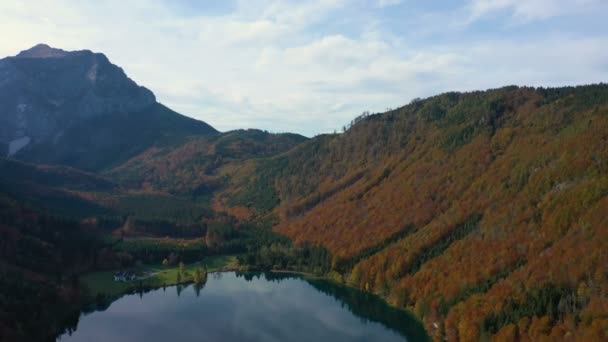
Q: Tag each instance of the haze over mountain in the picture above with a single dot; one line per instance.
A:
(76, 108)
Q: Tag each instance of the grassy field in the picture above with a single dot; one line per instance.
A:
(152, 276)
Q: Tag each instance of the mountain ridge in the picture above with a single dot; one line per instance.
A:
(42, 51)
(447, 206)
(482, 212)
(49, 97)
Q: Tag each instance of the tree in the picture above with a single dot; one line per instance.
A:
(182, 267)
(179, 277)
(197, 277)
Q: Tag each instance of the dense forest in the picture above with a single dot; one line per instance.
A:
(41, 258)
(483, 213)
(474, 210)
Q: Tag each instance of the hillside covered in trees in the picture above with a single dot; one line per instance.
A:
(484, 213)
(41, 257)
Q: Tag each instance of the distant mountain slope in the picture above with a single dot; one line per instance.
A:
(173, 183)
(40, 259)
(195, 167)
(53, 176)
(476, 210)
(72, 194)
(78, 109)
(58, 190)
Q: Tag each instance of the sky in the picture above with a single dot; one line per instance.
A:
(311, 66)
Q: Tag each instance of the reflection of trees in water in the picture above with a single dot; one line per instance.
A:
(371, 308)
(364, 305)
(103, 301)
(70, 323)
(248, 276)
(198, 287)
(269, 276)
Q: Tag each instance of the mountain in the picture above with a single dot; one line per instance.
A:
(40, 260)
(174, 183)
(482, 212)
(196, 166)
(78, 109)
(59, 190)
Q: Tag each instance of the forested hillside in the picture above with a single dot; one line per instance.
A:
(483, 212)
(192, 168)
(41, 257)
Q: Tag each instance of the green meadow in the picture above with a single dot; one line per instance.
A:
(151, 276)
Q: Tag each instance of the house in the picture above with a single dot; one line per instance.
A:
(119, 276)
(124, 276)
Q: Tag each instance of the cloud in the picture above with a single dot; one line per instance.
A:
(531, 9)
(387, 3)
(309, 67)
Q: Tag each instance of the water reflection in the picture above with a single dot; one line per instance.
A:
(366, 306)
(248, 307)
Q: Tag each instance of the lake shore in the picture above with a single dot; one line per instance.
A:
(101, 283)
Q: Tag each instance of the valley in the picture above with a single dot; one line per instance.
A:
(482, 214)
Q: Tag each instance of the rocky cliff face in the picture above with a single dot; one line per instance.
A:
(48, 95)
(43, 91)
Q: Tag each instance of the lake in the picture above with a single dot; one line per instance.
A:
(249, 307)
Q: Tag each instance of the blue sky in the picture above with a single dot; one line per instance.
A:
(311, 66)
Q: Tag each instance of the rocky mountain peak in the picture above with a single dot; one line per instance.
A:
(59, 106)
(42, 51)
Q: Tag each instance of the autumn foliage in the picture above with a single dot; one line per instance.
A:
(484, 213)
(498, 199)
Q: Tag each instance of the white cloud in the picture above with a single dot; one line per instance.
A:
(527, 10)
(291, 66)
(387, 3)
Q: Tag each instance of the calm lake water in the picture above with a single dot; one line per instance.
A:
(249, 307)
